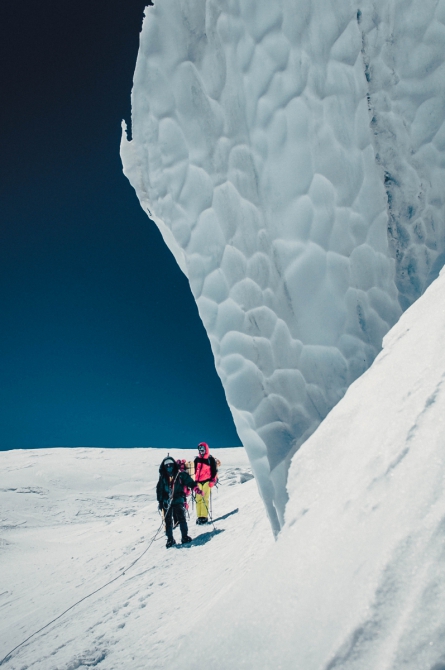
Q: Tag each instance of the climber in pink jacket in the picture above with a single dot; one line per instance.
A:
(206, 469)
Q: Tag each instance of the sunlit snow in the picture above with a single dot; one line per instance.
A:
(73, 519)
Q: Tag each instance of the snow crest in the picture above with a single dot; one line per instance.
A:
(292, 155)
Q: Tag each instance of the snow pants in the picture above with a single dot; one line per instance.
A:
(176, 513)
(203, 502)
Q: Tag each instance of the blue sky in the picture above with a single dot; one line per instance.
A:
(101, 343)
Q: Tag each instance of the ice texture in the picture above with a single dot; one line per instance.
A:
(292, 154)
(404, 60)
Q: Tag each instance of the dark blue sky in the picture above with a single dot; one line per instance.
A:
(100, 342)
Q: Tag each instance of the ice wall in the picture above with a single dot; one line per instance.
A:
(292, 154)
(404, 60)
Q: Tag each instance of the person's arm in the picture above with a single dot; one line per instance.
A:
(196, 473)
(217, 463)
(186, 480)
(160, 494)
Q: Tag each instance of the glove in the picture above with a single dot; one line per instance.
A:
(197, 490)
(211, 484)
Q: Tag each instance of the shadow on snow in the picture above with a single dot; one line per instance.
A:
(200, 539)
(225, 516)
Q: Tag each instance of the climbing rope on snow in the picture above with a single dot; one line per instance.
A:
(9, 654)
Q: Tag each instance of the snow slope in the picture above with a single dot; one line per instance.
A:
(356, 580)
(72, 519)
(292, 154)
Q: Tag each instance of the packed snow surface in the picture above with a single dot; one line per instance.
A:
(292, 154)
(73, 519)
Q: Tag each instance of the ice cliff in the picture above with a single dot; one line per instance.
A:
(292, 154)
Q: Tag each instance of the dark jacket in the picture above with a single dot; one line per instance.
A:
(179, 481)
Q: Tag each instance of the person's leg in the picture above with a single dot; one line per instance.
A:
(180, 516)
(206, 491)
(168, 518)
(200, 507)
(203, 502)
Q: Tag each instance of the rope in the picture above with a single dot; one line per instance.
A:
(8, 655)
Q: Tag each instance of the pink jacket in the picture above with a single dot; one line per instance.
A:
(203, 472)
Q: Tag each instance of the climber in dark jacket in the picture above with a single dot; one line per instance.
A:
(171, 492)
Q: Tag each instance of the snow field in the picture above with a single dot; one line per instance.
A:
(278, 147)
(73, 519)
